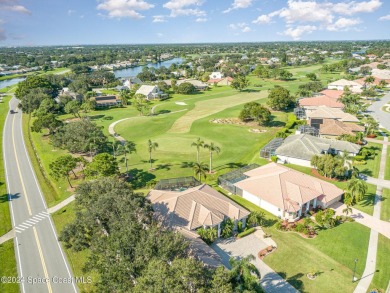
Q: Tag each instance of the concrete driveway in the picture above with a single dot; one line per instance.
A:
(252, 244)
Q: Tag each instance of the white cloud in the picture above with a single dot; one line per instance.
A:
(160, 35)
(185, 8)
(200, 19)
(343, 24)
(159, 18)
(17, 8)
(385, 17)
(71, 12)
(241, 26)
(124, 8)
(263, 19)
(298, 31)
(323, 15)
(239, 4)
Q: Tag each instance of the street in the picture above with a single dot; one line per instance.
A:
(41, 263)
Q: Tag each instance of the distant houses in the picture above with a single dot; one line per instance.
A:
(107, 101)
(221, 81)
(151, 92)
(341, 84)
(216, 75)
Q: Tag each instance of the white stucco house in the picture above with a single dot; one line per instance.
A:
(216, 75)
(151, 92)
(343, 83)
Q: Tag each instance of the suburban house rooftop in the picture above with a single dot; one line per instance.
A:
(194, 207)
(286, 188)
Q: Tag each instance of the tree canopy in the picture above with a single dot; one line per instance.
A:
(255, 111)
(279, 98)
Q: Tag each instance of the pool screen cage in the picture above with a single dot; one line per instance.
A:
(227, 181)
(307, 129)
(269, 150)
(300, 113)
(177, 184)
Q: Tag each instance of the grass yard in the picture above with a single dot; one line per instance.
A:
(8, 267)
(387, 168)
(372, 167)
(382, 276)
(76, 259)
(385, 205)
(331, 254)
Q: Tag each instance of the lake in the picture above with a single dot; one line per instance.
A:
(133, 71)
(9, 82)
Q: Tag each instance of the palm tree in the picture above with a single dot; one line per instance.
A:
(357, 189)
(128, 148)
(243, 272)
(151, 147)
(200, 170)
(198, 144)
(212, 148)
(345, 159)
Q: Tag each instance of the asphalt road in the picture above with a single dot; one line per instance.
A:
(42, 265)
(375, 111)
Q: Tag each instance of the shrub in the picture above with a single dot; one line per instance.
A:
(359, 158)
(359, 163)
(246, 232)
(227, 228)
(299, 227)
(274, 159)
(279, 225)
(208, 235)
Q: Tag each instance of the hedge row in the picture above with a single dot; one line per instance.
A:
(246, 232)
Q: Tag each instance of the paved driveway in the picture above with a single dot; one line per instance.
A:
(252, 244)
(375, 111)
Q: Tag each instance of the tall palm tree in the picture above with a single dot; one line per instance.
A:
(151, 147)
(128, 148)
(357, 188)
(345, 158)
(200, 170)
(212, 148)
(243, 273)
(347, 210)
(198, 144)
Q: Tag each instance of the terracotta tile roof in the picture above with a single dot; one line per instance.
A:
(332, 93)
(321, 101)
(335, 127)
(362, 81)
(195, 207)
(285, 188)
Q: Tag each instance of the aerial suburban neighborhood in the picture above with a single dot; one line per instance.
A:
(185, 161)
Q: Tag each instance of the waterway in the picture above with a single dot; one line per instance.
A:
(133, 71)
(9, 82)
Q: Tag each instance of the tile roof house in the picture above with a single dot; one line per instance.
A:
(286, 193)
(195, 207)
(298, 149)
(315, 102)
(331, 128)
(335, 94)
(221, 81)
(342, 83)
(199, 85)
(324, 112)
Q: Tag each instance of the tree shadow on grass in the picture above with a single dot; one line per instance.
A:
(229, 166)
(139, 178)
(4, 198)
(163, 112)
(366, 171)
(96, 117)
(295, 280)
(368, 200)
(187, 164)
(164, 167)
(275, 123)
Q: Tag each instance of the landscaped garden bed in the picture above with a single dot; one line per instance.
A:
(264, 252)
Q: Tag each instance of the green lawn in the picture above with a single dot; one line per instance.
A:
(76, 259)
(387, 168)
(371, 168)
(331, 254)
(382, 275)
(8, 267)
(385, 205)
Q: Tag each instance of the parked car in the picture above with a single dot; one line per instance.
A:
(11, 111)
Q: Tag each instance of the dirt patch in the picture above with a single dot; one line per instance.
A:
(236, 121)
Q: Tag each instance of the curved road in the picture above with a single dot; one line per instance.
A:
(382, 117)
(41, 263)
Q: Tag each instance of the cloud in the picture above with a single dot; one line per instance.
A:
(185, 8)
(241, 26)
(159, 18)
(385, 17)
(71, 12)
(301, 16)
(298, 31)
(124, 8)
(239, 4)
(16, 8)
(343, 24)
(160, 35)
(200, 19)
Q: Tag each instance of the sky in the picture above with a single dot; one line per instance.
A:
(78, 22)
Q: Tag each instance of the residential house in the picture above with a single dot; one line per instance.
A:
(107, 101)
(312, 103)
(191, 207)
(130, 82)
(151, 92)
(298, 149)
(67, 92)
(216, 75)
(331, 128)
(324, 112)
(221, 81)
(284, 192)
(381, 74)
(343, 83)
(199, 85)
(335, 94)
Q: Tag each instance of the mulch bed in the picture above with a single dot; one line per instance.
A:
(316, 174)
